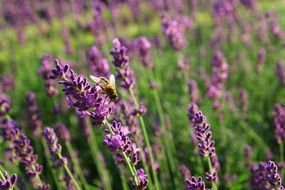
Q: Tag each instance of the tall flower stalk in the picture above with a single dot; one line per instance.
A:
(206, 144)
(127, 81)
(55, 151)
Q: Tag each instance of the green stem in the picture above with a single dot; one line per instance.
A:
(75, 163)
(214, 184)
(96, 157)
(126, 158)
(145, 135)
(69, 173)
(49, 163)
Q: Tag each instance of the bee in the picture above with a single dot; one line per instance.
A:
(108, 86)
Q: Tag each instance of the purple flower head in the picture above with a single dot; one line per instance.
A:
(143, 181)
(243, 99)
(261, 57)
(119, 142)
(265, 176)
(144, 49)
(121, 61)
(195, 184)
(21, 150)
(54, 146)
(8, 182)
(63, 132)
(204, 137)
(82, 95)
(34, 114)
(119, 53)
(98, 65)
(4, 104)
(279, 122)
(172, 29)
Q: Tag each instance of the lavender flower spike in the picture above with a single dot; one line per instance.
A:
(205, 143)
(273, 176)
(279, 122)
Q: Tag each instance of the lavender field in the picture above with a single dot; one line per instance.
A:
(149, 94)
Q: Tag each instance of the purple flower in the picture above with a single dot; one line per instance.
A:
(204, 136)
(193, 91)
(98, 65)
(279, 122)
(65, 36)
(195, 184)
(265, 176)
(121, 61)
(251, 4)
(118, 142)
(21, 150)
(44, 72)
(63, 132)
(172, 29)
(261, 57)
(82, 95)
(144, 48)
(143, 181)
(34, 114)
(219, 76)
(8, 182)
(185, 171)
(243, 99)
(54, 146)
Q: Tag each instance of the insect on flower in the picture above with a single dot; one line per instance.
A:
(108, 86)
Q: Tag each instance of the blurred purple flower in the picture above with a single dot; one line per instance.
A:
(4, 104)
(280, 72)
(44, 72)
(63, 131)
(172, 29)
(265, 176)
(34, 114)
(54, 147)
(121, 61)
(143, 46)
(193, 91)
(279, 122)
(143, 181)
(98, 65)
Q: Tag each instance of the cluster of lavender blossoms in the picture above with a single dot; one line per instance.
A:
(81, 94)
(121, 61)
(173, 30)
(98, 65)
(279, 123)
(205, 143)
(265, 176)
(54, 147)
(195, 184)
(7, 182)
(20, 148)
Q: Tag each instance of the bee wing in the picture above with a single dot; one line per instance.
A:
(95, 79)
(112, 80)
